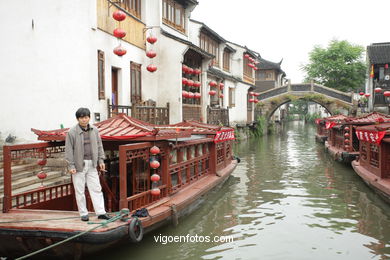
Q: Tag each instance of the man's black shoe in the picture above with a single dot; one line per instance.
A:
(104, 216)
(85, 218)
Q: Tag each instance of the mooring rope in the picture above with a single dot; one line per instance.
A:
(121, 214)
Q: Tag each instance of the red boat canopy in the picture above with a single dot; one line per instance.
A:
(121, 128)
(381, 130)
(371, 118)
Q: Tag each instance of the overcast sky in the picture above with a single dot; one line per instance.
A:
(289, 29)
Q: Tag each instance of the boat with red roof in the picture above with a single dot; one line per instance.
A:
(323, 124)
(155, 175)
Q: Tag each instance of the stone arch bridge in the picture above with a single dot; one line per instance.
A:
(332, 100)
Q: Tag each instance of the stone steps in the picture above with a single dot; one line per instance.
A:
(22, 168)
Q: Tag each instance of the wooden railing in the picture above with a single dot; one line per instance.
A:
(148, 113)
(144, 199)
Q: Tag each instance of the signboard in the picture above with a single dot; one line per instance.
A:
(374, 137)
(224, 135)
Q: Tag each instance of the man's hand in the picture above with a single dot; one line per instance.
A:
(102, 167)
(72, 171)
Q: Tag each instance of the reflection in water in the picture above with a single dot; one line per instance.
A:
(286, 200)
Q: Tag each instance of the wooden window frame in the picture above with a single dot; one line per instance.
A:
(232, 96)
(226, 60)
(170, 12)
(133, 7)
(101, 75)
(135, 83)
(211, 46)
(248, 71)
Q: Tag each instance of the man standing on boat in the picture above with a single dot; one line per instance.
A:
(84, 153)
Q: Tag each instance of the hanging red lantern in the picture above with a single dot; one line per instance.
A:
(221, 85)
(184, 68)
(119, 33)
(221, 96)
(155, 177)
(184, 81)
(197, 95)
(154, 164)
(386, 93)
(346, 135)
(151, 39)
(256, 101)
(255, 68)
(155, 192)
(251, 59)
(367, 95)
(190, 95)
(361, 93)
(251, 100)
(346, 147)
(346, 141)
(190, 83)
(246, 56)
(197, 71)
(346, 128)
(212, 92)
(151, 68)
(151, 54)
(184, 94)
(378, 90)
(119, 15)
(256, 94)
(42, 175)
(120, 51)
(154, 150)
(196, 84)
(42, 162)
(386, 66)
(189, 70)
(213, 83)
(251, 93)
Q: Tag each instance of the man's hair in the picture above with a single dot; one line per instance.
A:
(82, 111)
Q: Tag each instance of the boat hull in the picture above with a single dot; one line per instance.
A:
(340, 155)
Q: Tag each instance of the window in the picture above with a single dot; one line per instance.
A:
(173, 14)
(101, 84)
(226, 60)
(133, 7)
(232, 97)
(211, 46)
(135, 82)
(248, 71)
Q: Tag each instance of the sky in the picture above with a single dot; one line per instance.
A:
(289, 29)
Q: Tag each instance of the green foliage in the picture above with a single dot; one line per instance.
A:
(312, 117)
(298, 107)
(261, 124)
(339, 66)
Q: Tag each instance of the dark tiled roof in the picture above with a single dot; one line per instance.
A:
(221, 74)
(269, 65)
(210, 31)
(379, 53)
(190, 44)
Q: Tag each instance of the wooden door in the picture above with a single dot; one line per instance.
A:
(114, 90)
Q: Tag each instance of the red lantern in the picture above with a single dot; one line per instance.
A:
(386, 66)
(190, 95)
(378, 90)
(197, 95)
(119, 15)
(255, 68)
(346, 128)
(256, 94)
(346, 135)
(213, 84)
(197, 71)
(251, 59)
(42, 175)
(212, 92)
(184, 94)
(386, 93)
(151, 39)
(120, 51)
(184, 68)
(184, 81)
(155, 192)
(251, 100)
(361, 93)
(154, 164)
(367, 95)
(42, 162)
(151, 54)
(221, 85)
(221, 95)
(251, 93)
(151, 68)
(155, 177)
(190, 70)
(246, 56)
(119, 33)
(256, 101)
(154, 150)
(190, 83)
(346, 141)
(196, 84)
(346, 147)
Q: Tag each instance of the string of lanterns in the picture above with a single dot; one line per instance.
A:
(190, 87)
(252, 62)
(119, 33)
(41, 174)
(155, 177)
(253, 99)
(151, 53)
(346, 138)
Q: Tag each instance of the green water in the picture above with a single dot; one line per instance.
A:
(287, 199)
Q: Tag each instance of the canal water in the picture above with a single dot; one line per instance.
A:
(287, 199)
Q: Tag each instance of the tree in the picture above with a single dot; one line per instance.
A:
(339, 66)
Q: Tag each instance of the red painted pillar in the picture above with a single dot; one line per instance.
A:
(122, 178)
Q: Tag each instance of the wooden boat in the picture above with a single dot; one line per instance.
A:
(342, 142)
(373, 162)
(194, 158)
(323, 124)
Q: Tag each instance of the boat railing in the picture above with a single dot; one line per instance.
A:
(145, 198)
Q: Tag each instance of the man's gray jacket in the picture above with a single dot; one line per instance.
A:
(74, 148)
